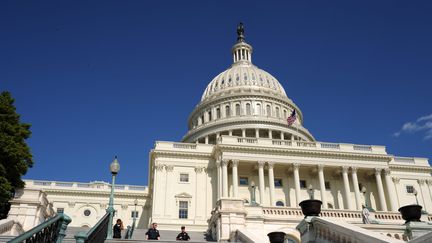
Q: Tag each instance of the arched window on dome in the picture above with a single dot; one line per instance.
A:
(258, 109)
(209, 116)
(202, 119)
(218, 113)
(277, 112)
(237, 106)
(268, 110)
(285, 114)
(227, 111)
(248, 109)
(280, 204)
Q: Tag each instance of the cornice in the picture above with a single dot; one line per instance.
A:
(95, 193)
(306, 153)
(181, 154)
(411, 168)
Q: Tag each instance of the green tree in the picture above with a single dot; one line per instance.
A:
(15, 155)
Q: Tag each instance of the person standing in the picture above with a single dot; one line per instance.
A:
(183, 236)
(118, 227)
(153, 233)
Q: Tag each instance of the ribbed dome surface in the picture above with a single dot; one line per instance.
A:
(243, 75)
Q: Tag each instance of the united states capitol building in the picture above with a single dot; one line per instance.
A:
(241, 171)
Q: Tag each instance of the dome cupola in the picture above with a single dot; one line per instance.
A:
(244, 101)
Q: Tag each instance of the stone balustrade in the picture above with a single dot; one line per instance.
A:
(174, 146)
(10, 227)
(85, 186)
(373, 149)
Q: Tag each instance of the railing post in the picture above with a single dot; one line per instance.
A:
(65, 220)
(80, 237)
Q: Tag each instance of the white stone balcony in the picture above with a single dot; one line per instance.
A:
(94, 185)
(183, 147)
(320, 146)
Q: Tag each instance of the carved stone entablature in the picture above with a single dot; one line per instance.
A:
(396, 179)
(421, 181)
(169, 168)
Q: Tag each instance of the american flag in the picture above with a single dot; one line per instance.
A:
(292, 118)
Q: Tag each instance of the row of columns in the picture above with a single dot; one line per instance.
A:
(270, 135)
(223, 184)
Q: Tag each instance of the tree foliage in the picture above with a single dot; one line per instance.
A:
(15, 155)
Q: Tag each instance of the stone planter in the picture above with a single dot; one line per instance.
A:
(411, 213)
(276, 237)
(311, 207)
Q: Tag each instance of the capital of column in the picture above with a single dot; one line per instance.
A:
(296, 166)
(169, 168)
(261, 164)
(387, 171)
(396, 179)
(224, 162)
(218, 163)
(199, 169)
(159, 167)
(354, 169)
(421, 181)
(378, 171)
(320, 167)
(270, 165)
(235, 163)
(429, 182)
(345, 169)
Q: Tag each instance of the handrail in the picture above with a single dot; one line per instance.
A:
(50, 231)
(97, 234)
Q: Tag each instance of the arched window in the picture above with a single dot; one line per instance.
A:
(285, 114)
(237, 110)
(268, 110)
(280, 204)
(218, 113)
(202, 119)
(209, 116)
(277, 112)
(258, 109)
(248, 109)
(227, 111)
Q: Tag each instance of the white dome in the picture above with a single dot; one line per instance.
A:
(243, 75)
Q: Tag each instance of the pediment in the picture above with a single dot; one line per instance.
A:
(183, 195)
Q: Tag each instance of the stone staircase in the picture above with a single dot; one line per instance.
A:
(139, 236)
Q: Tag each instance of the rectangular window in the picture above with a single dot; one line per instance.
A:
(60, 210)
(134, 214)
(410, 189)
(302, 184)
(244, 181)
(278, 182)
(184, 177)
(327, 185)
(183, 210)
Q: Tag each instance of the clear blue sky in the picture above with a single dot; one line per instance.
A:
(103, 78)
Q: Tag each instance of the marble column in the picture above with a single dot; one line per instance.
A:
(356, 188)
(261, 181)
(257, 133)
(235, 178)
(391, 191)
(224, 178)
(244, 133)
(347, 191)
(219, 179)
(381, 196)
(424, 192)
(322, 186)
(271, 183)
(396, 181)
(429, 184)
(206, 139)
(297, 182)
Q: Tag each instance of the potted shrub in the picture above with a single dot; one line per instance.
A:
(311, 207)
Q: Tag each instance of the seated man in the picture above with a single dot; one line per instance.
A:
(183, 236)
(153, 233)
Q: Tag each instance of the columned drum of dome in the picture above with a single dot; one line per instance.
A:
(244, 101)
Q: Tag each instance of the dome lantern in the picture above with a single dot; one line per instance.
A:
(241, 51)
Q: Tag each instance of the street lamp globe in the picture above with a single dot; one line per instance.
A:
(115, 166)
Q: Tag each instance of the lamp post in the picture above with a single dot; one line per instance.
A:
(253, 201)
(114, 167)
(135, 213)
